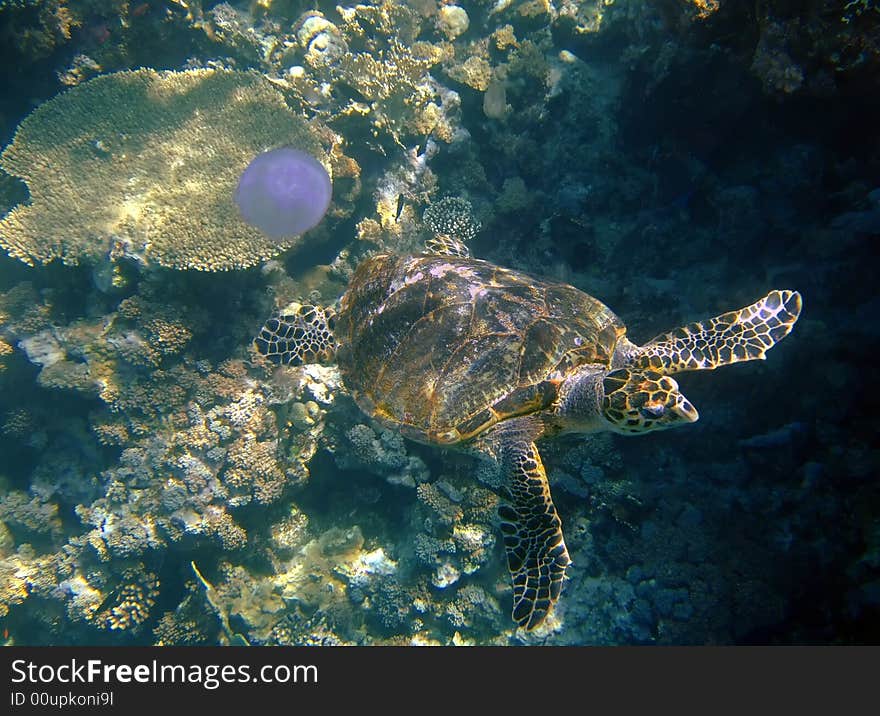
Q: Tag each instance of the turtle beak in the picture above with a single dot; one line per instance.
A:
(685, 411)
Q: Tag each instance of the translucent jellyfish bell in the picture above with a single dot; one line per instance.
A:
(284, 192)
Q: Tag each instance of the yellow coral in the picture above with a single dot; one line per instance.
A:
(168, 336)
(369, 230)
(535, 8)
(144, 164)
(705, 8)
(5, 350)
(22, 309)
(254, 467)
(13, 583)
(430, 120)
(475, 72)
(504, 37)
(219, 523)
(111, 433)
(132, 602)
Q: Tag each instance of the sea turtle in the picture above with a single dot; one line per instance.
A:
(455, 351)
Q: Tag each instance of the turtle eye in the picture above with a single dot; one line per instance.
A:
(652, 410)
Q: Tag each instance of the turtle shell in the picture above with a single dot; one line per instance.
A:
(445, 347)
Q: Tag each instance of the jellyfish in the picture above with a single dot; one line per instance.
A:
(283, 192)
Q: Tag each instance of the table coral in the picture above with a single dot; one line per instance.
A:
(143, 164)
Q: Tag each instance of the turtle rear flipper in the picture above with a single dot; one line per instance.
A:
(301, 333)
(742, 335)
(531, 528)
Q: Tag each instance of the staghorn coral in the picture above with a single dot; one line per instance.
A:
(253, 464)
(103, 357)
(472, 605)
(17, 423)
(446, 511)
(310, 583)
(14, 571)
(187, 625)
(143, 164)
(185, 467)
(289, 534)
(329, 589)
(455, 536)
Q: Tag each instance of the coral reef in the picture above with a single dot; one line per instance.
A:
(162, 484)
(453, 217)
(145, 164)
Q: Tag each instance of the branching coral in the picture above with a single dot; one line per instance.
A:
(369, 65)
(35, 29)
(383, 454)
(30, 512)
(130, 605)
(144, 164)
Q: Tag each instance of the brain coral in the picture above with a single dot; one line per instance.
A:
(145, 164)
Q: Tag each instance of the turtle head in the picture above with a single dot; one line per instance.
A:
(639, 400)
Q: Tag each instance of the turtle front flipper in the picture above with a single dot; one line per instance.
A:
(301, 333)
(531, 528)
(746, 334)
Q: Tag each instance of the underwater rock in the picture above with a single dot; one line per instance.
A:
(321, 40)
(778, 438)
(43, 349)
(861, 222)
(495, 100)
(452, 21)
